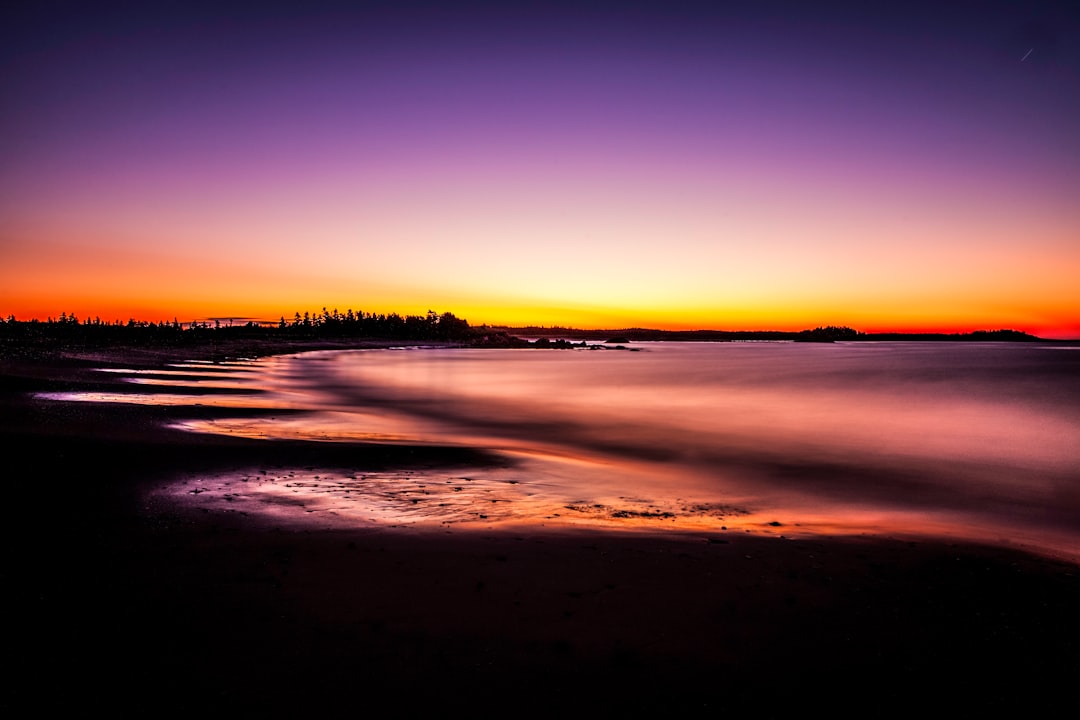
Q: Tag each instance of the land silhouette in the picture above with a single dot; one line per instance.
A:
(68, 331)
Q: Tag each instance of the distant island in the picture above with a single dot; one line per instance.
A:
(820, 334)
(333, 328)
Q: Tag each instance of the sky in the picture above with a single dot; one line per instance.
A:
(768, 165)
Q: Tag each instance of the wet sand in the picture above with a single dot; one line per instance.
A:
(114, 602)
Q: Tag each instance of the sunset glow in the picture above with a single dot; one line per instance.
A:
(779, 167)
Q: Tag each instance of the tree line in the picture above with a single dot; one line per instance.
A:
(325, 325)
(332, 325)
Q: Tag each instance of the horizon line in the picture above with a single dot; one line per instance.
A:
(243, 320)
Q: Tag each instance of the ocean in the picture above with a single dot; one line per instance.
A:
(972, 441)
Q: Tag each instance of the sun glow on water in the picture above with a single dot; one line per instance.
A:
(905, 439)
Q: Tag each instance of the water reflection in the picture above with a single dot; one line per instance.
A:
(979, 441)
(525, 493)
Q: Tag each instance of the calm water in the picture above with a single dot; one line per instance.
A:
(978, 441)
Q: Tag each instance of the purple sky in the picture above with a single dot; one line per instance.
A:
(747, 163)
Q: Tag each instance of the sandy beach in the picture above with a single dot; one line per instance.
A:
(114, 601)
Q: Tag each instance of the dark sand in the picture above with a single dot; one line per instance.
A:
(115, 605)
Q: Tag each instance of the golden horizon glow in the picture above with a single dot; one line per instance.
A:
(885, 289)
(1043, 325)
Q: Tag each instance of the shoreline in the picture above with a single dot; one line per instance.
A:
(209, 609)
